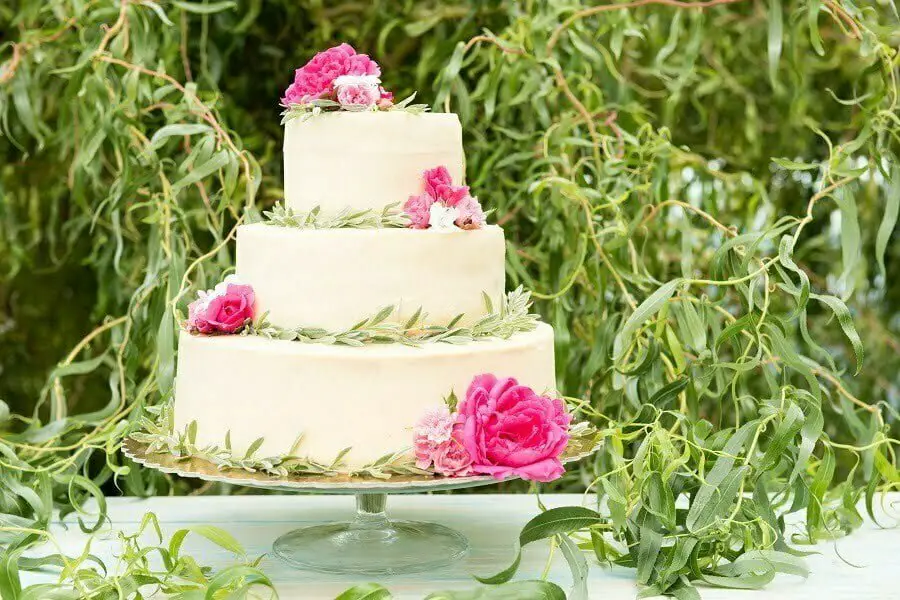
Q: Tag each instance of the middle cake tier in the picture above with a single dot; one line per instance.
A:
(335, 278)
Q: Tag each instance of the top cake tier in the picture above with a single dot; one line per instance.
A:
(363, 160)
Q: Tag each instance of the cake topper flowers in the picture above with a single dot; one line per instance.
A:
(340, 78)
(227, 308)
(442, 205)
(501, 429)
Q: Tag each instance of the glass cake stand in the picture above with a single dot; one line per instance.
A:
(370, 543)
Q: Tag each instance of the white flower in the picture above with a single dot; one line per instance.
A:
(363, 80)
(220, 289)
(442, 217)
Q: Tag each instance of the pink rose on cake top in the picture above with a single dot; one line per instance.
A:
(501, 428)
(442, 205)
(223, 309)
(315, 79)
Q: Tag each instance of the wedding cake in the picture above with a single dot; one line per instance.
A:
(368, 313)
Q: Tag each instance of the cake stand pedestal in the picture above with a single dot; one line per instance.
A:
(371, 543)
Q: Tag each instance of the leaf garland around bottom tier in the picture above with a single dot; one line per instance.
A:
(511, 317)
(161, 437)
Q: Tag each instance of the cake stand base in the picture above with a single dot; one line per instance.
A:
(371, 544)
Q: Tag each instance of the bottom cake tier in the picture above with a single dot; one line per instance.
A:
(367, 399)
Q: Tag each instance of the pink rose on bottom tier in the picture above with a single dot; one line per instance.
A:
(501, 428)
(224, 309)
(508, 429)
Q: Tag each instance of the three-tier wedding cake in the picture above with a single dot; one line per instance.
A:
(367, 321)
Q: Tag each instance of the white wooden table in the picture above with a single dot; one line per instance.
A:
(491, 522)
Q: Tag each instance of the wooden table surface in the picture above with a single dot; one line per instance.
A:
(491, 522)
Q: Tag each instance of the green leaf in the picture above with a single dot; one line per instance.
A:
(518, 590)
(577, 565)
(812, 18)
(216, 162)
(842, 313)
(648, 308)
(649, 544)
(547, 524)
(850, 239)
(793, 165)
(365, 591)
(889, 220)
(775, 39)
(204, 8)
(238, 577)
(177, 130)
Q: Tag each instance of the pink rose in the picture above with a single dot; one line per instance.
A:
(508, 429)
(357, 96)
(223, 310)
(315, 79)
(451, 458)
(470, 214)
(418, 208)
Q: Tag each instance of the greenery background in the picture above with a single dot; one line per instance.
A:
(703, 196)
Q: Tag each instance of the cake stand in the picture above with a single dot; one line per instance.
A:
(370, 544)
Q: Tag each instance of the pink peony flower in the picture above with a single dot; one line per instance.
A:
(357, 96)
(224, 309)
(470, 214)
(508, 429)
(451, 458)
(418, 208)
(430, 432)
(315, 79)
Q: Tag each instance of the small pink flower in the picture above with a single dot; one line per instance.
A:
(385, 99)
(226, 309)
(430, 432)
(453, 195)
(470, 214)
(436, 179)
(508, 429)
(357, 96)
(451, 458)
(315, 79)
(418, 208)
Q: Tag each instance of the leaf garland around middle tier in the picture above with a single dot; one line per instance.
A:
(511, 317)
(389, 217)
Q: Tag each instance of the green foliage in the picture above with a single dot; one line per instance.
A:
(703, 199)
(155, 565)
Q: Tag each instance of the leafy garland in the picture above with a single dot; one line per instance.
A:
(306, 111)
(511, 317)
(161, 437)
(389, 217)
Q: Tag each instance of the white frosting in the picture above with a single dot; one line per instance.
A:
(366, 159)
(365, 398)
(334, 278)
